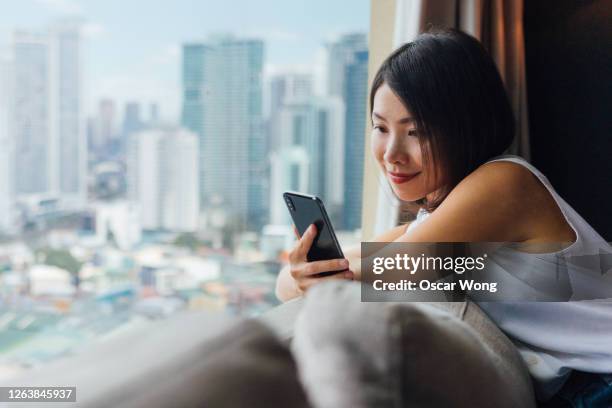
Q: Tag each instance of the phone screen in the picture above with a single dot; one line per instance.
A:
(306, 210)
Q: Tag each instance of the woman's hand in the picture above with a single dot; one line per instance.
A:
(304, 273)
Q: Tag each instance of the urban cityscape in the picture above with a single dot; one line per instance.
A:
(113, 217)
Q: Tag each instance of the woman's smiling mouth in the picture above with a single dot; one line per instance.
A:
(399, 178)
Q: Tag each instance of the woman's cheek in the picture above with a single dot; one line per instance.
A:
(415, 152)
(378, 147)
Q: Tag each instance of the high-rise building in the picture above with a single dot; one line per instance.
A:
(289, 87)
(162, 168)
(192, 114)
(67, 111)
(222, 103)
(6, 152)
(34, 143)
(346, 77)
(355, 96)
(284, 88)
(103, 133)
(132, 120)
(107, 122)
(153, 114)
(179, 181)
(49, 128)
(340, 53)
(289, 172)
(317, 125)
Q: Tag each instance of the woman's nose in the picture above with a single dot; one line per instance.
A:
(395, 152)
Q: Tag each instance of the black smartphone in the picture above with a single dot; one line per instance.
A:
(305, 210)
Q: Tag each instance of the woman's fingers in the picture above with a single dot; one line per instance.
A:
(305, 242)
(304, 273)
(306, 283)
(310, 269)
(295, 231)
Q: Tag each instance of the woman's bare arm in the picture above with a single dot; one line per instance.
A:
(354, 255)
(286, 287)
(493, 204)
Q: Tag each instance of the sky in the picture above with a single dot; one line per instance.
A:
(133, 48)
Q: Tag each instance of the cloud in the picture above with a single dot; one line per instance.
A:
(62, 6)
(277, 35)
(170, 54)
(93, 30)
(5, 38)
(337, 33)
(154, 78)
(280, 69)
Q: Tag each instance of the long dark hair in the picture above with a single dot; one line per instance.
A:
(453, 89)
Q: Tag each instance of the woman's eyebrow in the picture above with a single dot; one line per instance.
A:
(402, 121)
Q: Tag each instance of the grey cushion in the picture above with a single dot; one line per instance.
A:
(355, 354)
(246, 366)
(190, 360)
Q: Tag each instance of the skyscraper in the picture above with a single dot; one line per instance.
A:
(6, 152)
(355, 95)
(34, 142)
(162, 166)
(192, 114)
(153, 114)
(347, 76)
(49, 131)
(132, 120)
(289, 171)
(317, 125)
(222, 103)
(108, 116)
(289, 87)
(340, 53)
(67, 113)
(284, 88)
(104, 136)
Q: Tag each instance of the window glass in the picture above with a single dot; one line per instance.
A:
(145, 150)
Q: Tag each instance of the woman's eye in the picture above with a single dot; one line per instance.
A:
(412, 132)
(379, 128)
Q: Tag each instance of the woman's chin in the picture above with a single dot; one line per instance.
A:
(408, 195)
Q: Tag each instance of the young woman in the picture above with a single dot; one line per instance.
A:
(441, 121)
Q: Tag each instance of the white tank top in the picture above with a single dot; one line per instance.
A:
(557, 337)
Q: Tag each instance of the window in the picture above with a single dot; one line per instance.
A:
(142, 169)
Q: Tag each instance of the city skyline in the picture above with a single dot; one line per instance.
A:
(141, 63)
(233, 121)
(223, 105)
(239, 116)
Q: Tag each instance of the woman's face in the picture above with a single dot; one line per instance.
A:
(396, 147)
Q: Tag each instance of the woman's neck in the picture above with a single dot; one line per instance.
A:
(431, 196)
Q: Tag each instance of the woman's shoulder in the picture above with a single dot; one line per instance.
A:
(483, 207)
(505, 177)
(500, 201)
(497, 182)
(521, 197)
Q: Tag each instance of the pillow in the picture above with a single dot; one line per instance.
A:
(193, 359)
(357, 354)
(245, 366)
